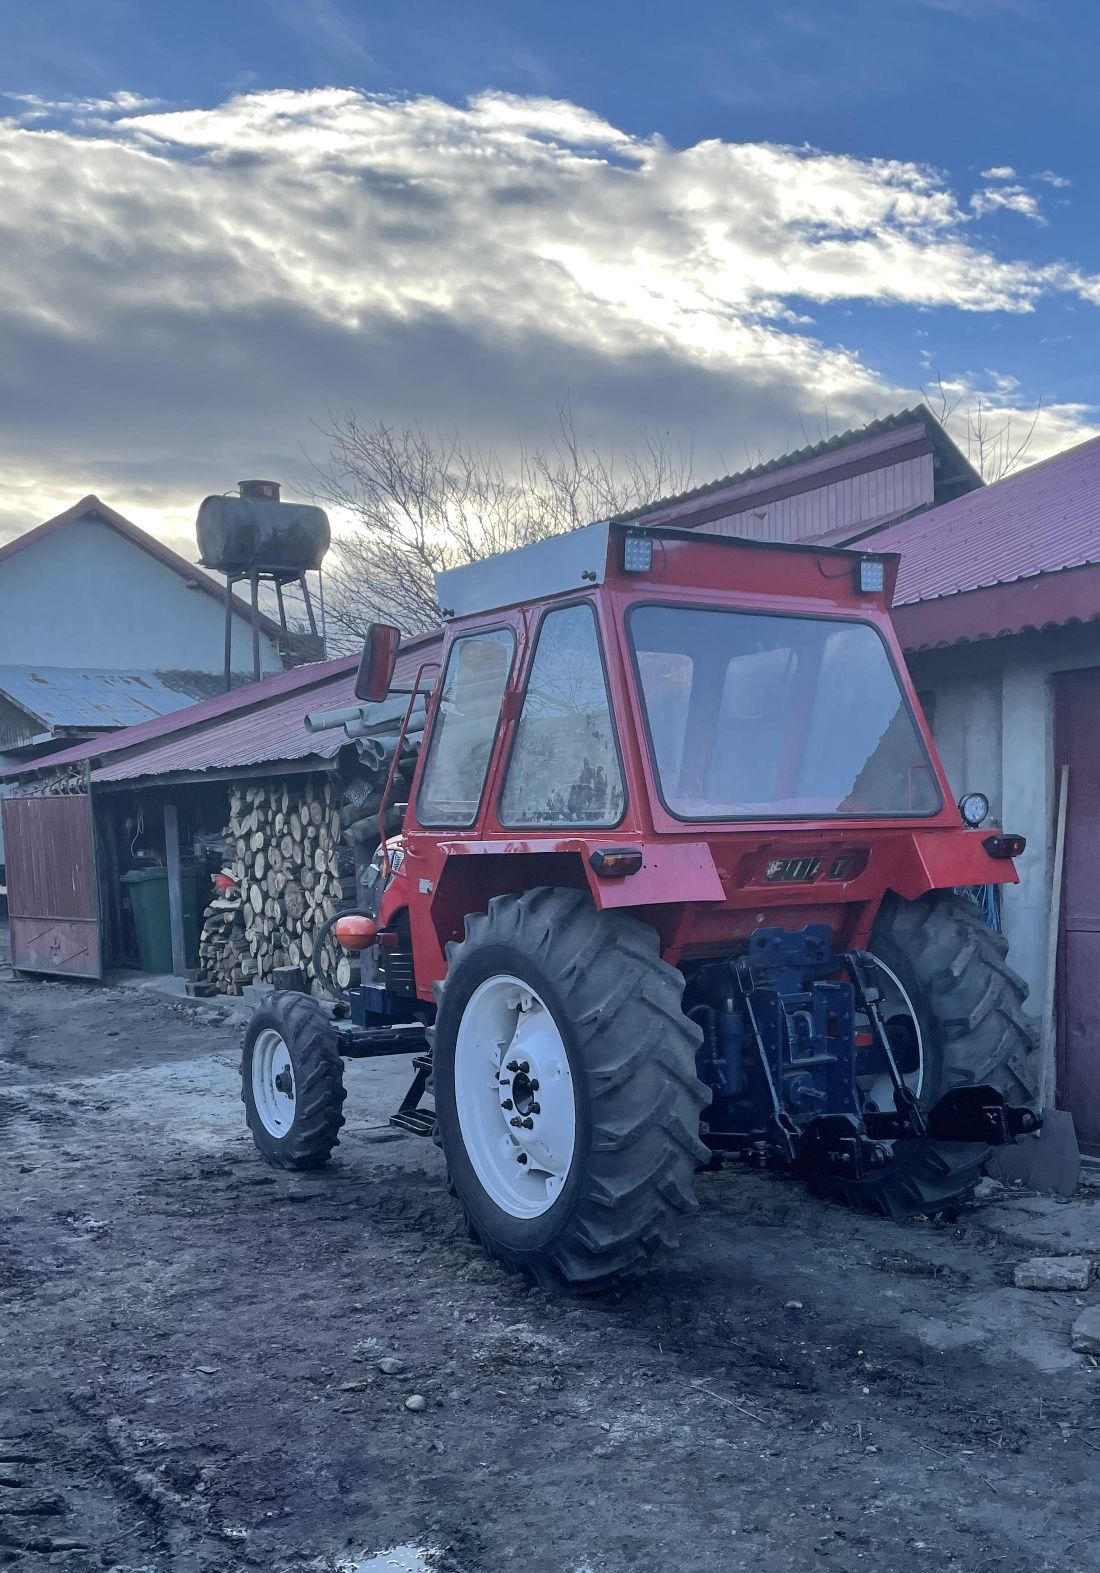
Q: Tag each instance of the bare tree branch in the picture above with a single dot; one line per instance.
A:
(418, 504)
(995, 450)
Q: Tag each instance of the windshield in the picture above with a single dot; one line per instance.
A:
(759, 716)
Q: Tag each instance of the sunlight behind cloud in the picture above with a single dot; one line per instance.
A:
(224, 274)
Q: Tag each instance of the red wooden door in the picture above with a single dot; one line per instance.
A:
(52, 904)
(1077, 744)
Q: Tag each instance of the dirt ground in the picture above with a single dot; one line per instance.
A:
(189, 1347)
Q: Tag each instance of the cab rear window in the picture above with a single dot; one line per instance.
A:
(754, 716)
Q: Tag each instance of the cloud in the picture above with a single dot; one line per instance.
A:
(38, 108)
(999, 172)
(186, 291)
(1013, 199)
(1061, 181)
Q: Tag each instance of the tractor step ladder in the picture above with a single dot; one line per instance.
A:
(410, 1116)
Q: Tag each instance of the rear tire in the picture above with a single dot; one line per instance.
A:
(594, 1003)
(969, 1007)
(292, 1082)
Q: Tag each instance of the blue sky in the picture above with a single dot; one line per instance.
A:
(735, 221)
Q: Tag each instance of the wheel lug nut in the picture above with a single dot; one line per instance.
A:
(515, 1120)
(524, 1067)
(528, 1125)
(512, 1065)
(534, 1085)
(521, 1157)
(536, 1108)
(507, 1103)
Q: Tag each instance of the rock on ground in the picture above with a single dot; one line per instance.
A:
(1067, 1273)
(1086, 1332)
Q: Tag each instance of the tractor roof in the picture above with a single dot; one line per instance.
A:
(592, 556)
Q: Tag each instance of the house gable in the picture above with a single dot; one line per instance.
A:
(89, 589)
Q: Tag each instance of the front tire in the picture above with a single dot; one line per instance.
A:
(292, 1082)
(594, 1178)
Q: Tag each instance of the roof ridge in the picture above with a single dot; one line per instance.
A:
(912, 414)
(166, 555)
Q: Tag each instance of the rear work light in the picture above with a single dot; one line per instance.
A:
(637, 553)
(974, 808)
(871, 576)
(1005, 846)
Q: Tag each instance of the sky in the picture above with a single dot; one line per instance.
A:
(750, 226)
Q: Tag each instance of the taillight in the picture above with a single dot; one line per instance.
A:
(355, 931)
(1005, 846)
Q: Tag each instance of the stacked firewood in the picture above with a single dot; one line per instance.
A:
(295, 852)
(288, 875)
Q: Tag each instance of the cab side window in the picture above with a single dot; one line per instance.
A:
(466, 725)
(564, 768)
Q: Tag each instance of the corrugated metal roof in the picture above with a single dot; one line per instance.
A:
(920, 415)
(1040, 521)
(261, 734)
(254, 737)
(297, 679)
(64, 697)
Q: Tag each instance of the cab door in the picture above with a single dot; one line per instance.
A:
(448, 797)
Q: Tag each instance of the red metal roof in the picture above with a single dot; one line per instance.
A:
(261, 734)
(1044, 520)
(262, 722)
(1048, 600)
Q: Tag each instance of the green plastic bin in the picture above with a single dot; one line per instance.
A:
(148, 889)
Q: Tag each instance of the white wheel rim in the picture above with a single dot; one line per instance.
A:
(273, 1086)
(517, 1108)
(895, 1002)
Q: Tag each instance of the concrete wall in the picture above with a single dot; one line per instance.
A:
(994, 728)
(85, 596)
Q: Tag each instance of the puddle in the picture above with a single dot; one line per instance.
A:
(400, 1559)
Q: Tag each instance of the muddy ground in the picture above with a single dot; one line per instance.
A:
(189, 1346)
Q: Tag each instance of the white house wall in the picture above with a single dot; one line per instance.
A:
(994, 728)
(85, 596)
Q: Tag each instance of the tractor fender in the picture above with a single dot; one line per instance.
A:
(672, 872)
(947, 859)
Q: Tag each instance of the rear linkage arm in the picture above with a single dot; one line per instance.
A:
(965, 1114)
(906, 1118)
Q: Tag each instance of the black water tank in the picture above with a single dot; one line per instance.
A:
(257, 531)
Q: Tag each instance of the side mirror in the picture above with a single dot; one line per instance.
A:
(376, 664)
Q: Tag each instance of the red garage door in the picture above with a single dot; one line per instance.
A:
(1077, 744)
(50, 856)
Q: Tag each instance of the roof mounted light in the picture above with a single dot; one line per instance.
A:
(637, 553)
(870, 576)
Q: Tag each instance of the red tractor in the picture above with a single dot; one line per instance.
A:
(676, 879)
